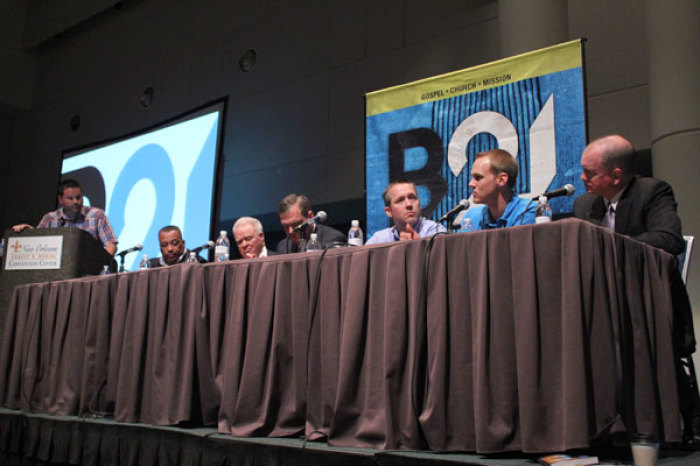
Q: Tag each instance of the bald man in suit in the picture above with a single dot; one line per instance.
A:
(643, 208)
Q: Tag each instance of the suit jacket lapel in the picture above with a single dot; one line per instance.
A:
(624, 209)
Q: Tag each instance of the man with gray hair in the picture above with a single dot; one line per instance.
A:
(250, 238)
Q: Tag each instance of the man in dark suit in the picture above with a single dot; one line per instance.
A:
(645, 209)
(294, 210)
(172, 248)
(641, 207)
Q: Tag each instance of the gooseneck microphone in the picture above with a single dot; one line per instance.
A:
(208, 245)
(566, 190)
(450, 215)
(123, 253)
(320, 217)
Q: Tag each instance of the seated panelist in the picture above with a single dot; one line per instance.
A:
(402, 206)
(493, 178)
(641, 207)
(172, 248)
(294, 210)
(644, 209)
(250, 238)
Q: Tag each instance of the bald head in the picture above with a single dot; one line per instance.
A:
(608, 165)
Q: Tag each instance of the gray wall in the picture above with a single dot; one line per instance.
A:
(295, 122)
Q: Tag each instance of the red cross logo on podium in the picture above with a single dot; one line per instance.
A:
(16, 246)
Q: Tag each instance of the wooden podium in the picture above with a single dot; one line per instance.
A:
(81, 255)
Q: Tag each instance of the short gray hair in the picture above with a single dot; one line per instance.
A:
(248, 221)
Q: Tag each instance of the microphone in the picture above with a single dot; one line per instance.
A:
(123, 253)
(463, 204)
(320, 217)
(208, 245)
(567, 190)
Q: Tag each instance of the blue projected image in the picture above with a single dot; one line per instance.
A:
(163, 176)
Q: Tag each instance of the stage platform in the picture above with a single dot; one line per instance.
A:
(31, 438)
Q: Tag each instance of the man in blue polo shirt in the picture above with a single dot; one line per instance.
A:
(402, 206)
(493, 177)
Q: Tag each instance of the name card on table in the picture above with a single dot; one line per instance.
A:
(34, 253)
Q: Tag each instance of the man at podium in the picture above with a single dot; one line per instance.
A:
(72, 213)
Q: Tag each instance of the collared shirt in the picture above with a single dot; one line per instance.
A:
(159, 262)
(519, 211)
(180, 260)
(424, 227)
(90, 219)
(611, 209)
(263, 253)
(616, 198)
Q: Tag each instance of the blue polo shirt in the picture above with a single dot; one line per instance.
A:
(519, 211)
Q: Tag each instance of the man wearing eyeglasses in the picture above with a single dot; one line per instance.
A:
(641, 207)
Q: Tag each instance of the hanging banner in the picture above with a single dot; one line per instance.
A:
(428, 131)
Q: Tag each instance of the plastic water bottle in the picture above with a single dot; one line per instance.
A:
(144, 262)
(355, 237)
(314, 244)
(192, 257)
(105, 270)
(2, 248)
(543, 213)
(222, 249)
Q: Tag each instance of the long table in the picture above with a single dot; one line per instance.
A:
(534, 338)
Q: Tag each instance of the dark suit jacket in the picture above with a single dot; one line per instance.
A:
(646, 212)
(326, 236)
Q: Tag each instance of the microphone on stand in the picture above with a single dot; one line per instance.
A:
(450, 215)
(208, 245)
(123, 253)
(566, 190)
(320, 217)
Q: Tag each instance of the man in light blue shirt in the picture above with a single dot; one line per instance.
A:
(493, 177)
(402, 205)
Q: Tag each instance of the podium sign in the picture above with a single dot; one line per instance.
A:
(34, 253)
(48, 254)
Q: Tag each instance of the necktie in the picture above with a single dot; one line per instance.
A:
(609, 218)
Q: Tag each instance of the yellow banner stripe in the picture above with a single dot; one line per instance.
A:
(478, 78)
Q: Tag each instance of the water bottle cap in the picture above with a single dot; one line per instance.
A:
(314, 235)
(355, 223)
(145, 256)
(222, 233)
(543, 199)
